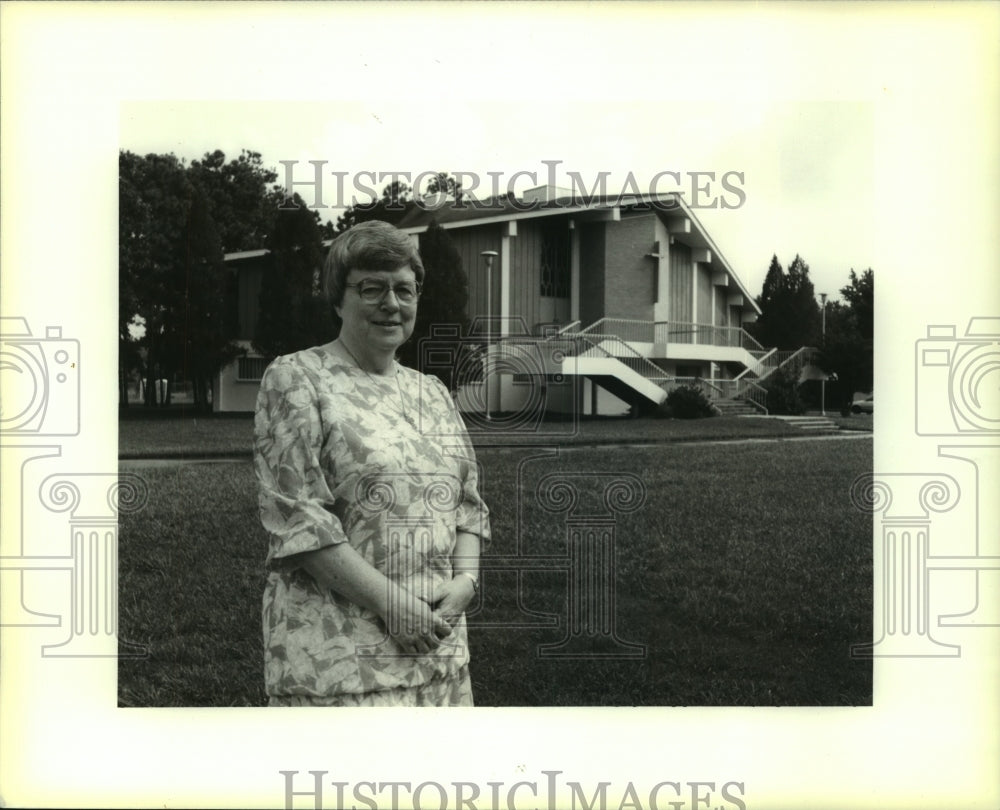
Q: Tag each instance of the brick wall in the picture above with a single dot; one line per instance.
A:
(630, 275)
(591, 272)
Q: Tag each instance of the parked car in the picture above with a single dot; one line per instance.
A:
(866, 405)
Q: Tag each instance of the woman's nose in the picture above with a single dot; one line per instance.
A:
(389, 300)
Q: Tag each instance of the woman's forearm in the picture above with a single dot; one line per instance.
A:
(342, 569)
(465, 557)
(408, 619)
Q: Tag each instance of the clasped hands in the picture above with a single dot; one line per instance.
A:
(419, 627)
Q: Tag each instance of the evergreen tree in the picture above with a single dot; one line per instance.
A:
(162, 239)
(790, 316)
(444, 299)
(203, 341)
(768, 299)
(242, 195)
(848, 350)
(292, 315)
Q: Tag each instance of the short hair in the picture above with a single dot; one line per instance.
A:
(373, 245)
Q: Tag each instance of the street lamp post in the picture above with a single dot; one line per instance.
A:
(822, 382)
(489, 255)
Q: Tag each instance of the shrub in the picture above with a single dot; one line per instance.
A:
(783, 396)
(688, 402)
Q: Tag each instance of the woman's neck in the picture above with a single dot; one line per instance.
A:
(372, 362)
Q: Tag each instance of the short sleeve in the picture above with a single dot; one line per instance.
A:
(294, 496)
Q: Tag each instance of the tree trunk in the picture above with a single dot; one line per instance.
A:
(122, 386)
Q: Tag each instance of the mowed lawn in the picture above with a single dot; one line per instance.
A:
(743, 579)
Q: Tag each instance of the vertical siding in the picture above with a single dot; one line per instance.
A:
(525, 255)
(721, 310)
(704, 294)
(680, 283)
(630, 274)
(735, 316)
(471, 242)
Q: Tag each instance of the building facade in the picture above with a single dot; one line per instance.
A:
(600, 304)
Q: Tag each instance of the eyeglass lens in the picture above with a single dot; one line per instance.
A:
(373, 291)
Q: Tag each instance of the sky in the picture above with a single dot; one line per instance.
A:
(803, 168)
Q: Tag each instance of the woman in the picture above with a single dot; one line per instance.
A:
(368, 492)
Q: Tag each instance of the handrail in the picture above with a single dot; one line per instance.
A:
(620, 351)
(758, 346)
(761, 362)
(614, 345)
(687, 332)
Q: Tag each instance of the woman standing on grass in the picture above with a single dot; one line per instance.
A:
(369, 495)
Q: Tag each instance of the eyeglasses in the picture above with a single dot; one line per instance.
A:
(373, 291)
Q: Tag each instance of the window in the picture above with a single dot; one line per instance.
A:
(554, 276)
(251, 369)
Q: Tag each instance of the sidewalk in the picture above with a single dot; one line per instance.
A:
(202, 439)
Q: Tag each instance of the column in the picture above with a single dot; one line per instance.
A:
(590, 628)
(93, 501)
(904, 501)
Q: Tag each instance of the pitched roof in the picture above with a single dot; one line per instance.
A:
(467, 213)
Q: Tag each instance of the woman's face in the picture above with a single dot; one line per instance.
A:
(381, 326)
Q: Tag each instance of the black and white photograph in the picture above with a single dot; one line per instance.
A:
(512, 366)
(596, 387)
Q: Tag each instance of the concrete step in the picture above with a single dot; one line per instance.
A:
(811, 424)
(730, 407)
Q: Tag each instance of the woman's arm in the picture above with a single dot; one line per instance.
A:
(409, 620)
(456, 595)
(296, 509)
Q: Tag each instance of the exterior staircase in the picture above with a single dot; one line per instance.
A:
(736, 407)
(613, 339)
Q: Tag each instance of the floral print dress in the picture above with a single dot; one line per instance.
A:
(383, 464)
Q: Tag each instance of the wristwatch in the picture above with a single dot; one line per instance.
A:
(475, 580)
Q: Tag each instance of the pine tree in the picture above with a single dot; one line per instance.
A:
(444, 299)
(790, 316)
(292, 315)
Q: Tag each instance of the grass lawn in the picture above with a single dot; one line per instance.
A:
(746, 576)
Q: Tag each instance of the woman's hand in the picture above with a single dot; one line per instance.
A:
(412, 624)
(454, 597)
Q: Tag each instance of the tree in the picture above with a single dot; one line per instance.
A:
(444, 299)
(860, 295)
(790, 316)
(804, 316)
(133, 257)
(203, 341)
(443, 182)
(848, 349)
(395, 201)
(292, 314)
(155, 197)
(171, 277)
(242, 195)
